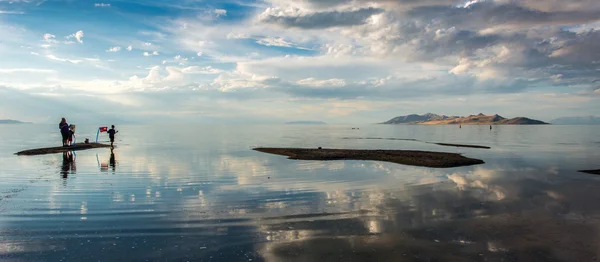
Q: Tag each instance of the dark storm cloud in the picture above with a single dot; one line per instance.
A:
(488, 14)
(402, 89)
(323, 20)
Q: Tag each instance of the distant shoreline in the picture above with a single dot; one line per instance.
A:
(12, 122)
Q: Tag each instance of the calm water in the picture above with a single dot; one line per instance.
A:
(200, 193)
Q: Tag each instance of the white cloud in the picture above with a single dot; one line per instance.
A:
(26, 70)
(147, 44)
(220, 12)
(52, 57)
(150, 54)
(4, 12)
(34, 53)
(50, 38)
(201, 70)
(277, 41)
(180, 58)
(77, 35)
(129, 48)
(101, 5)
(114, 49)
(199, 54)
(321, 83)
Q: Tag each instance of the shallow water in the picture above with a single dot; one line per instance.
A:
(200, 193)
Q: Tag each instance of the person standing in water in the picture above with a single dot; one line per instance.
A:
(65, 131)
(111, 135)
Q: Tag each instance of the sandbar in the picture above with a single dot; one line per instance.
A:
(405, 157)
(60, 149)
(593, 172)
(460, 145)
(380, 138)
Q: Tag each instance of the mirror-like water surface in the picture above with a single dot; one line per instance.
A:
(185, 192)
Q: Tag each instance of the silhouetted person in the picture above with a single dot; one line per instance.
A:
(65, 131)
(490, 127)
(111, 135)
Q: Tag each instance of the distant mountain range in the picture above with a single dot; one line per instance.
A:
(577, 120)
(11, 122)
(480, 119)
(306, 123)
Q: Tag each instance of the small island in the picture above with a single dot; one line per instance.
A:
(60, 149)
(593, 172)
(405, 157)
(305, 123)
(11, 122)
(461, 145)
(479, 119)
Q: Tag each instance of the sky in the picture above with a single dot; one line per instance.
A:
(272, 61)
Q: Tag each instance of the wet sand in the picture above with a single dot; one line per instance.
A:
(60, 149)
(459, 145)
(405, 157)
(593, 172)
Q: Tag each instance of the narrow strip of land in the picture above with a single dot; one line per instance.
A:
(54, 150)
(405, 157)
(379, 138)
(593, 172)
(460, 145)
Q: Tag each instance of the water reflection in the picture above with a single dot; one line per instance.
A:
(214, 203)
(531, 219)
(68, 164)
(112, 162)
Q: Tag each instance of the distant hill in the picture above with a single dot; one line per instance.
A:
(577, 120)
(11, 122)
(417, 118)
(306, 123)
(480, 119)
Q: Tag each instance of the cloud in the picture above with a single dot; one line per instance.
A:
(220, 12)
(26, 70)
(155, 53)
(129, 48)
(50, 38)
(77, 35)
(4, 12)
(266, 40)
(52, 57)
(101, 5)
(199, 54)
(180, 58)
(114, 49)
(201, 70)
(319, 20)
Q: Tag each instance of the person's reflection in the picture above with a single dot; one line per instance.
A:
(112, 161)
(68, 164)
